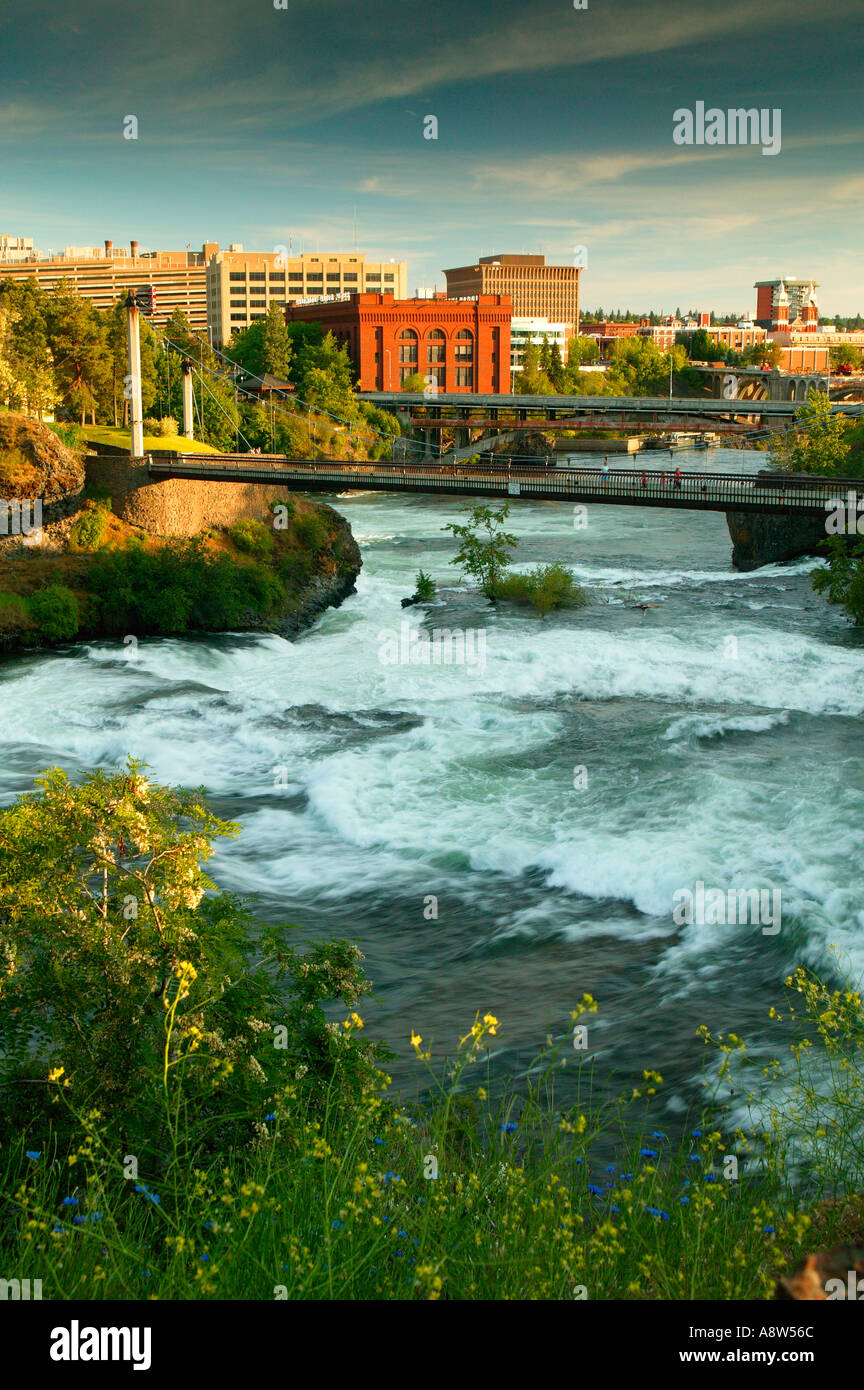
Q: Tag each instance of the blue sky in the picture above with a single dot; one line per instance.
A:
(554, 130)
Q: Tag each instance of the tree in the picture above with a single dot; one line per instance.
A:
(817, 444)
(415, 381)
(842, 581)
(556, 366)
(276, 346)
(582, 349)
(484, 559)
(76, 335)
(531, 380)
(704, 348)
(764, 354)
(845, 356)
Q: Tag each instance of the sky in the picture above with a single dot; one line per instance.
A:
(292, 126)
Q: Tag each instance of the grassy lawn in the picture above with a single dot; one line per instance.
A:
(109, 434)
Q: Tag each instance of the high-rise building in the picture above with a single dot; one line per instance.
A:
(787, 304)
(241, 285)
(524, 331)
(104, 274)
(537, 290)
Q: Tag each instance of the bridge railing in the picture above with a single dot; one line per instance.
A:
(773, 491)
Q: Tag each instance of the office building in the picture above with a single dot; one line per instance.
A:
(537, 290)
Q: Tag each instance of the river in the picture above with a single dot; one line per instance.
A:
(718, 737)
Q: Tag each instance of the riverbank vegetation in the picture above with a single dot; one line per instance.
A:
(113, 579)
(192, 1106)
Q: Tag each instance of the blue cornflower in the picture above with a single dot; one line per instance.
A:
(379, 1141)
(695, 1158)
(205, 1257)
(598, 1191)
(337, 1224)
(403, 1234)
(614, 1209)
(625, 1177)
(684, 1200)
(391, 1177)
(32, 1153)
(509, 1127)
(710, 1177)
(610, 1168)
(769, 1230)
(145, 1274)
(60, 1230)
(649, 1153)
(269, 1117)
(696, 1134)
(70, 1201)
(208, 1226)
(657, 1134)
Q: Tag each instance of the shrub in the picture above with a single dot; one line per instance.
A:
(152, 426)
(253, 537)
(131, 982)
(181, 588)
(88, 530)
(14, 613)
(425, 587)
(311, 530)
(168, 426)
(55, 612)
(544, 588)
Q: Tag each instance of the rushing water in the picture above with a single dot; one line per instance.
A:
(365, 787)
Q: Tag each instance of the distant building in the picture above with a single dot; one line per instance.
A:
(536, 289)
(455, 345)
(15, 248)
(241, 285)
(787, 305)
(524, 331)
(104, 274)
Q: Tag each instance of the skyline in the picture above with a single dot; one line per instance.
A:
(555, 129)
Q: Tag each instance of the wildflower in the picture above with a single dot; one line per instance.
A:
(610, 1168)
(337, 1224)
(598, 1191)
(649, 1153)
(509, 1127)
(769, 1230)
(353, 1021)
(696, 1133)
(391, 1177)
(269, 1117)
(70, 1201)
(56, 1073)
(32, 1153)
(658, 1135)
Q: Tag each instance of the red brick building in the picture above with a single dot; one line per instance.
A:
(454, 344)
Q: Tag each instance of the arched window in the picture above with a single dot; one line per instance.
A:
(408, 346)
(464, 345)
(437, 344)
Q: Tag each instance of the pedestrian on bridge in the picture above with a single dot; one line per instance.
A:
(606, 470)
(678, 479)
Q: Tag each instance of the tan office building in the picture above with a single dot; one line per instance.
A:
(104, 274)
(241, 285)
(538, 290)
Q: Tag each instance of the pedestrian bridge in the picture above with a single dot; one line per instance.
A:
(785, 494)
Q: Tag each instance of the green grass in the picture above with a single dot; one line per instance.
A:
(108, 434)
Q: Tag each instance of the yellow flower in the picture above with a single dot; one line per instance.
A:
(353, 1021)
(56, 1073)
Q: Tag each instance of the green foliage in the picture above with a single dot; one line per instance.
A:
(818, 443)
(312, 530)
(71, 435)
(703, 348)
(545, 587)
(54, 609)
(425, 587)
(415, 381)
(167, 426)
(531, 380)
(253, 537)
(582, 349)
(764, 354)
(88, 529)
(132, 984)
(181, 588)
(483, 559)
(843, 580)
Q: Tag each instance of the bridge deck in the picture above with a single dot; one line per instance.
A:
(774, 493)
